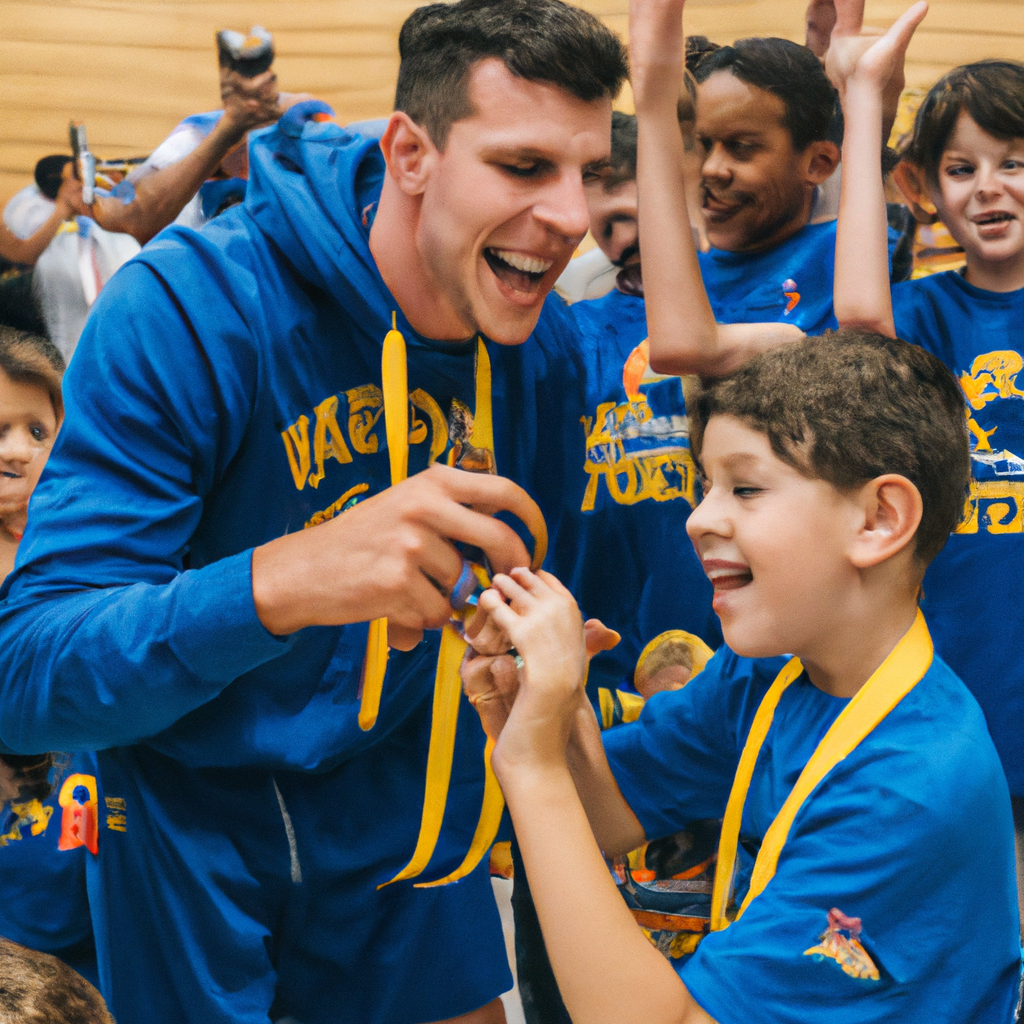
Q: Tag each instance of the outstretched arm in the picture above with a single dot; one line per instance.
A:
(684, 335)
(862, 64)
(159, 197)
(28, 250)
(607, 971)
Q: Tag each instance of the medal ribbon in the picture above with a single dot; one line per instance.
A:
(447, 681)
(901, 671)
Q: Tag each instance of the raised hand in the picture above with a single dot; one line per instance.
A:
(249, 102)
(655, 49)
(870, 55)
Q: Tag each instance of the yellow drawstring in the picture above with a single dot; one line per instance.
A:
(447, 682)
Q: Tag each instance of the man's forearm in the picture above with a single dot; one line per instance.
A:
(162, 195)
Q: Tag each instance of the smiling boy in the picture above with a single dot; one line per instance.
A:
(217, 527)
(866, 869)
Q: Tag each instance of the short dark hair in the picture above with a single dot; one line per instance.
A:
(991, 91)
(787, 70)
(850, 406)
(50, 173)
(622, 164)
(28, 358)
(539, 40)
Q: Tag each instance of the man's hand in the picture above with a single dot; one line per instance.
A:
(249, 102)
(819, 21)
(392, 555)
(868, 55)
(69, 198)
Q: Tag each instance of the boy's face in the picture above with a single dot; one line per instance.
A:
(504, 208)
(27, 429)
(772, 542)
(613, 217)
(980, 194)
(755, 188)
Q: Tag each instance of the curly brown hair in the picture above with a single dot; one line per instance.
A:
(850, 406)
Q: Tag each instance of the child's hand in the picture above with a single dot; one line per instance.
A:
(655, 48)
(859, 53)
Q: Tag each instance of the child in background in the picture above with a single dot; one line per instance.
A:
(43, 902)
(873, 879)
(967, 156)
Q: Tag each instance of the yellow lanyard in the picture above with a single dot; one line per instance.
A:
(901, 671)
(447, 682)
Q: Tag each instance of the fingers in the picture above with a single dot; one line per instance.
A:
(598, 637)
(906, 24)
(849, 17)
(403, 638)
(484, 634)
(486, 495)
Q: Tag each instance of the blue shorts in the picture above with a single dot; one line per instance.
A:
(234, 894)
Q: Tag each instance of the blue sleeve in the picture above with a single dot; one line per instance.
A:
(914, 851)
(676, 763)
(106, 637)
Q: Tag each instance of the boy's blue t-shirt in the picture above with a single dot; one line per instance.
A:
(227, 391)
(637, 571)
(976, 583)
(789, 283)
(911, 835)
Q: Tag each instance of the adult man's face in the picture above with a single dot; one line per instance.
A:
(613, 217)
(504, 207)
(756, 188)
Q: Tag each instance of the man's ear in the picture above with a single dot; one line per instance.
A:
(911, 181)
(820, 161)
(891, 509)
(409, 153)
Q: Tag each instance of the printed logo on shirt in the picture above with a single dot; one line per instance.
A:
(639, 455)
(117, 818)
(792, 293)
(31, 815)
(840, 942)
(360, 410)
(996, 500)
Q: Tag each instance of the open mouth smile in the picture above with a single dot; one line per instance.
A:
(727, 575)
(517, 271)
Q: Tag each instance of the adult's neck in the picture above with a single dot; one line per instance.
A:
(395, 245)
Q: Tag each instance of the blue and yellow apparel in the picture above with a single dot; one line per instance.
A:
(975, 581)
(228, 391)
(637, 571)
(789, 283)
(43, 899)
(892, 898)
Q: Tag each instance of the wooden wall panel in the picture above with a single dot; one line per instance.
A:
(132, 68)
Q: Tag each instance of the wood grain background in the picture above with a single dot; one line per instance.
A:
(131, 69)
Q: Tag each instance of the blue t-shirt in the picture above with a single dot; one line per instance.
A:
(790, 283)
(909, 839)
(976, 580)
(637, 569)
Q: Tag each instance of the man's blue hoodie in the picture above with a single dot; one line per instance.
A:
(226, 391)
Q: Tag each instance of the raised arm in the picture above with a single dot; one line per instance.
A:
(684, 335)
(28, 250)
(861, 64)
(159, 197)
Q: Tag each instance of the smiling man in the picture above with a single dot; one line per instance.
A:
(216, 529)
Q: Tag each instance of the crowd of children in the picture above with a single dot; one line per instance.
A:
(778, 773)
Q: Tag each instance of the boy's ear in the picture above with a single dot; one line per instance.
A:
(910, 179)
(409, 153)
(891, 506)
(821, 160)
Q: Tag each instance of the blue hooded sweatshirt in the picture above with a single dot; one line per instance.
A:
(227, 391)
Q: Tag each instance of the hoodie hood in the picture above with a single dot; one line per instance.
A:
(313, 192)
